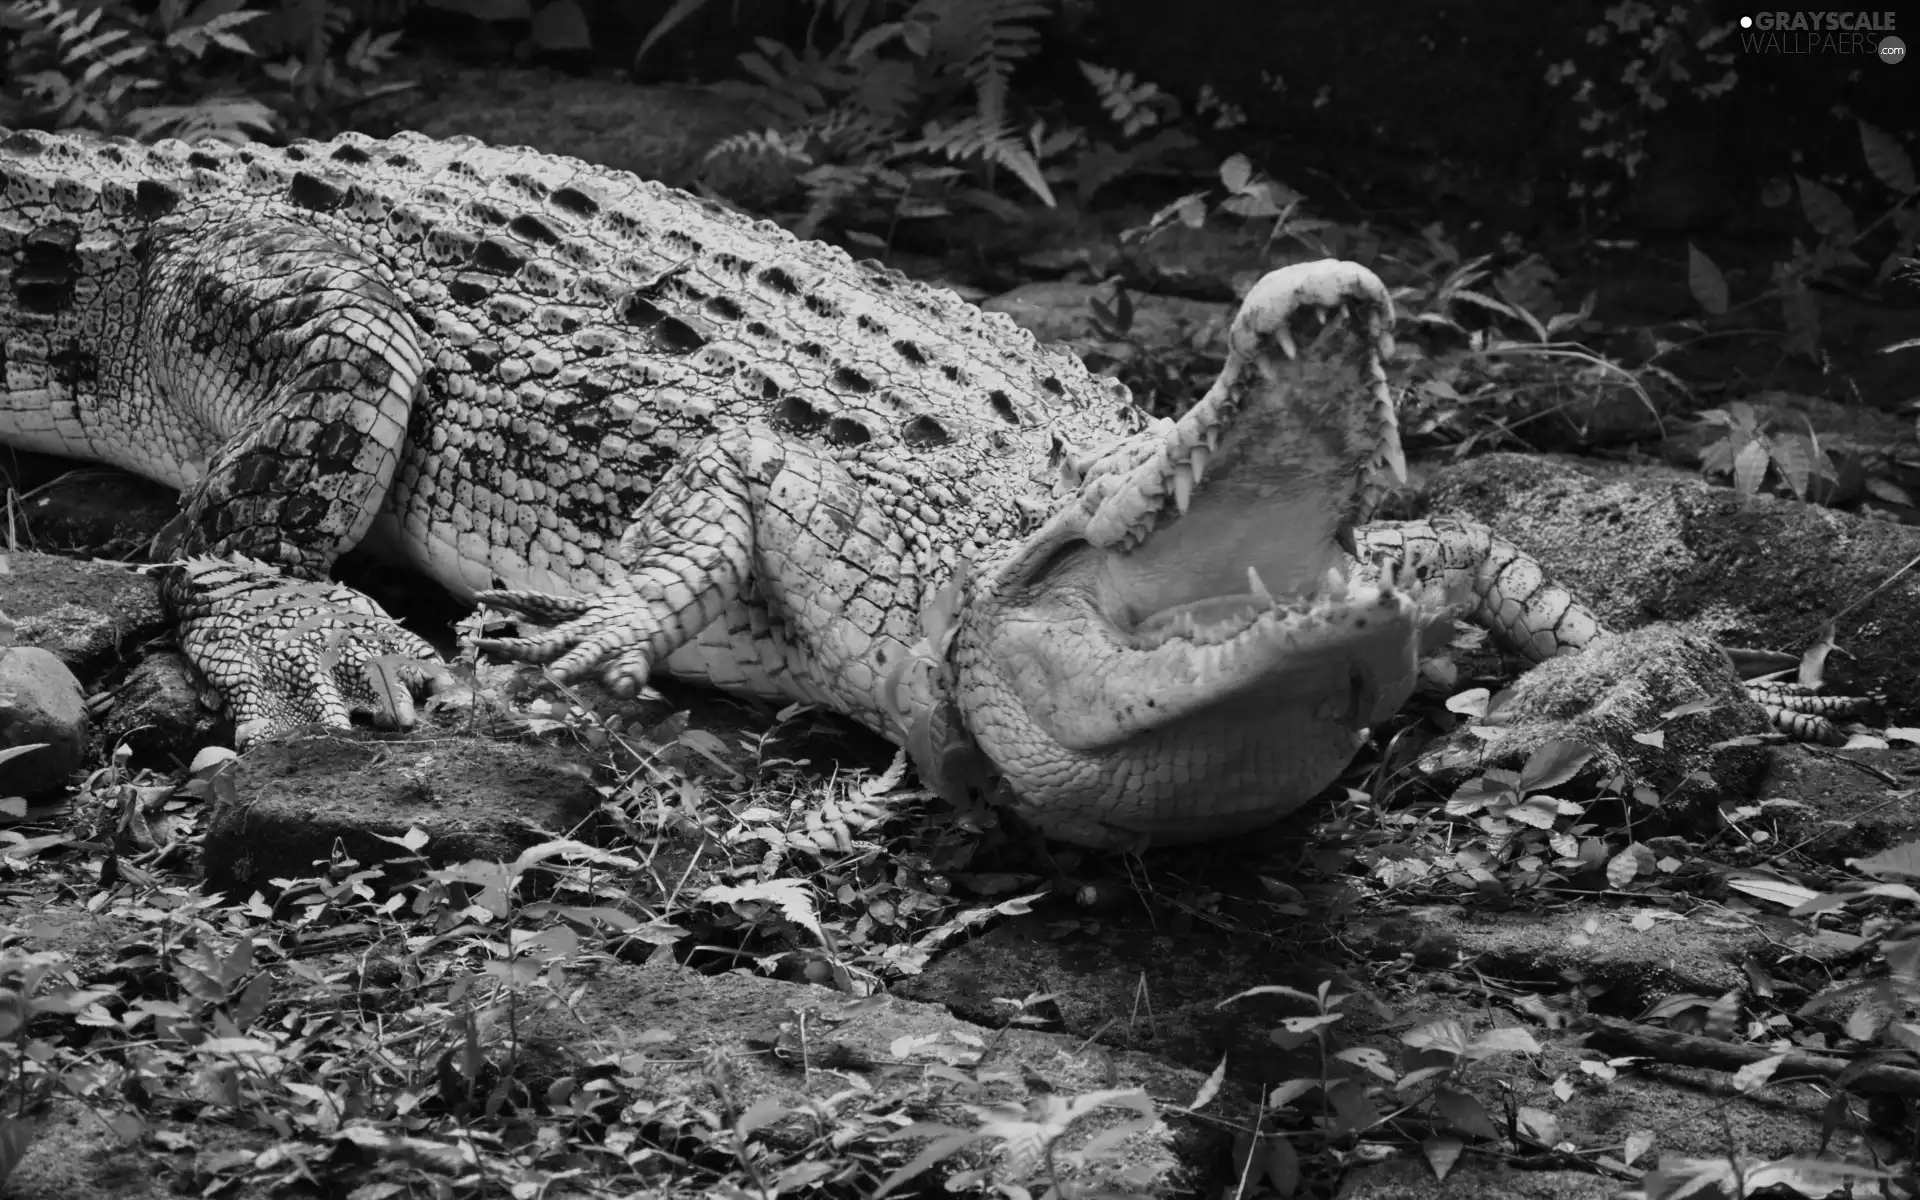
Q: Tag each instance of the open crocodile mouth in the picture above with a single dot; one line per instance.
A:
(1190, 630)
(1240, 517)
(1095, 673)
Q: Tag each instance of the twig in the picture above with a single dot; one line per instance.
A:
(1615, 1036)
(1878, 588)
(1833, 753)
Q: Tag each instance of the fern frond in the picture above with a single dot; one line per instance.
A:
(980, 38)
(852, 132)
(225, 118)
(1012, 34)
(972, 138)
(791, 896)
(1133, 104)
(762, 144)
(829, 187)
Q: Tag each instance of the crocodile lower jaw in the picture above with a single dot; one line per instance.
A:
(1217, 620)
(1204, 720)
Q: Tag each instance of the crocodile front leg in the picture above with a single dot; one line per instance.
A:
(292, 350)
(1488, 580)
(266, 370)
(284, 652)
(297, 366)
(801, 559)
(1476, 573)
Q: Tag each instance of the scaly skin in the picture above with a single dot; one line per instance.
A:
(496, 363)
(695, 444)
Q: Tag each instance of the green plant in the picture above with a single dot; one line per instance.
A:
(321, 84)
(108, 67)
(1748, 452)
(1506, 833)
(908, 113)
(1644, 58)
(1839, 240)
(1029, 1138)
(1881, 1010)
(1358, 1092)
(1250, 195)
(37, 985)
(871, 119)
(193, 72)
(1504, 356)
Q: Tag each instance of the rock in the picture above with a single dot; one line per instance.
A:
(1409, 1179)
(81, 612)
(97, 511)
(40, 701)
(294, 798)
(158, 711)
(1219, 260)
(666, 1025)
(1636, 955)
(656, 131)
(1062, 312)
(1747, 571)
(1832, 805)
(1098, 976)
(73, 1157)
(1618, 687)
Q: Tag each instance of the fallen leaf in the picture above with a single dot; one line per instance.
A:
(1776, 891)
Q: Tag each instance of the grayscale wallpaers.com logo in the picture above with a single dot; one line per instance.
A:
(1822, 33)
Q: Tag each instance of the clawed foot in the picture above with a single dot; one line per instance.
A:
(1803, 712)
(286, 653)
(584, 632)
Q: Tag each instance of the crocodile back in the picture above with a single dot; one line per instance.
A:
(582, 327)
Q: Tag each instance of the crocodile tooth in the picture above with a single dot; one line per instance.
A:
(1282, 329)
(1197, 459)
(1183, 488)
(1396, 458)
(1258, 587)
(1335, 582)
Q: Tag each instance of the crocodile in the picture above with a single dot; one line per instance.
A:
(686, 442)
